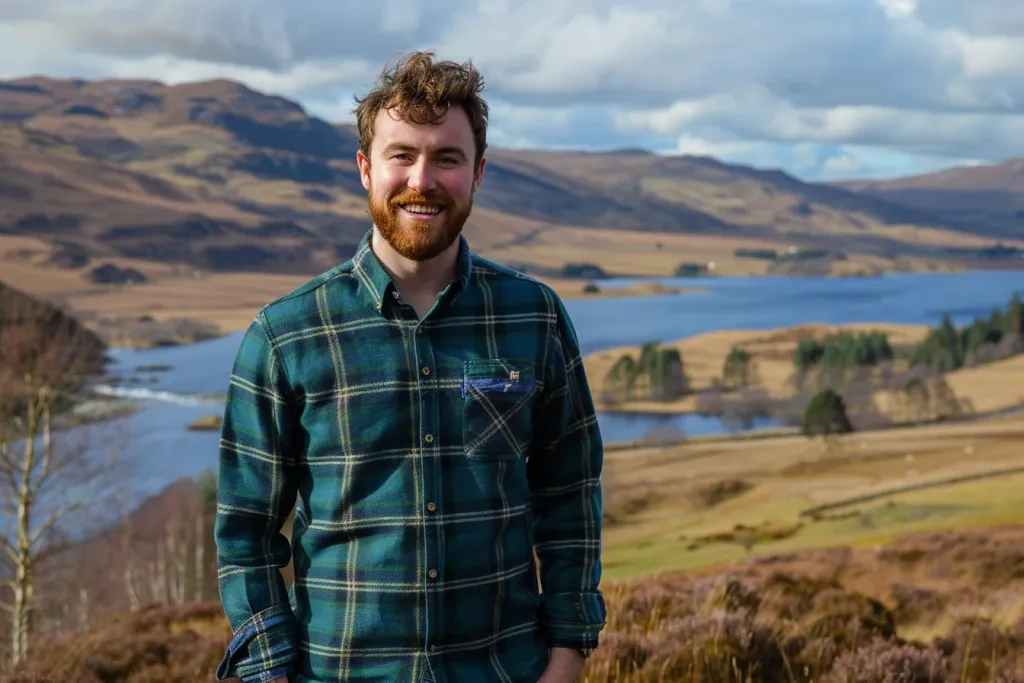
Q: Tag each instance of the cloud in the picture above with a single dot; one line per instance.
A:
(799, 83)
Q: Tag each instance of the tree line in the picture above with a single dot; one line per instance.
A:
(947, 348)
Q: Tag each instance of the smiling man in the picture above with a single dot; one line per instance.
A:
(426, 413)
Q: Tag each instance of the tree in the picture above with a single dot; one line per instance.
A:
(825, 415)
(1015, 316)
(739, 369)
(45, 357)
(658, 374)
(942, 349)
(621, 378)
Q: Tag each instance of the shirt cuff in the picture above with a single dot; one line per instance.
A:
(573, 620)
(262, 649)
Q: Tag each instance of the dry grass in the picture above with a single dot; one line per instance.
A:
(655, 254)
(786, 476)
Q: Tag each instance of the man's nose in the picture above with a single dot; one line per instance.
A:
(421, 177)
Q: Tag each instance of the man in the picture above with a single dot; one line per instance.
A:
(428, 412)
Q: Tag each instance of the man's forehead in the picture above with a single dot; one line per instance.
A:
(452, 129)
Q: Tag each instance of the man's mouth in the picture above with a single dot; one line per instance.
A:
(423, 209)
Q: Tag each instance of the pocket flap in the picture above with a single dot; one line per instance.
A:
(502, 375)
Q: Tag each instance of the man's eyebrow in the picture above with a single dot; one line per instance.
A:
(403, 147)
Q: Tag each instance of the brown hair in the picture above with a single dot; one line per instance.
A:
(421, 91)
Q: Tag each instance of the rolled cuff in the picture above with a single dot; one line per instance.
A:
(573, 620)
(263, 647)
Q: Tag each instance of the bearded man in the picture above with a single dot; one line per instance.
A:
(426, 414)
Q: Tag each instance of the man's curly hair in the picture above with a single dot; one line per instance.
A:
(421, 90)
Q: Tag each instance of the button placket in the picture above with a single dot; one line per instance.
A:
(427, 390)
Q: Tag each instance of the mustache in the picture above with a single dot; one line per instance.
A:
(414, 197)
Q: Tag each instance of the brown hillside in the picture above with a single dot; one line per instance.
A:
(18, 308)
(986, 199)
(213, 178)
(225, 152)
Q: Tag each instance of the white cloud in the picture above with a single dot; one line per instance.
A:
(723, 149)
(895, 9)
(803, 83)
(841, 166)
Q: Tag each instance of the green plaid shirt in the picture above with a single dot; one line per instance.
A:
(447, 479)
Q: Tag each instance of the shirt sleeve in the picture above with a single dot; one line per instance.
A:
(255, 494)
(564, 470)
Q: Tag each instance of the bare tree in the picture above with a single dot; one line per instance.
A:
(45, 478)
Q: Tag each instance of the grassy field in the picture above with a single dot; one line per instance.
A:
(702, 504)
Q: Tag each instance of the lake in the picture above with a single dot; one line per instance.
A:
(171, 400)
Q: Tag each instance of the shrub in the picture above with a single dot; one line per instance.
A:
(826, 415)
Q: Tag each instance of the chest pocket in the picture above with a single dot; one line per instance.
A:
(498, 397)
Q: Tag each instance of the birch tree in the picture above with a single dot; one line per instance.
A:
(45, 478)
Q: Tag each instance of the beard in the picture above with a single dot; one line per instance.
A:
(419, 240)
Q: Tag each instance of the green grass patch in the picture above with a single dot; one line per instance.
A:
(956, 506)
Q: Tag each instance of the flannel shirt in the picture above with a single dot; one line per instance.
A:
(444, 474)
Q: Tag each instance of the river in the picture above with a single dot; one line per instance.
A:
(165, 450)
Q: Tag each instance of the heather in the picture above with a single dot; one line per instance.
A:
(937, 607)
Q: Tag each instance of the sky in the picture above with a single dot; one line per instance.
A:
(823, 89)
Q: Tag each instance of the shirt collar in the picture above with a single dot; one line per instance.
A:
(376, 280)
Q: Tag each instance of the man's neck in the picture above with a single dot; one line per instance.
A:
(416, 278)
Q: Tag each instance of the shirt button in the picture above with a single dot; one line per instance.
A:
(426, 371)
(432, 573)
(431, 506)
(394, 294)
(429, 438)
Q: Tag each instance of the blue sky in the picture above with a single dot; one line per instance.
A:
(824, 89)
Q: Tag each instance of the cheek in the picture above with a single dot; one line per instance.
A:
(386, 179)
(459, 185)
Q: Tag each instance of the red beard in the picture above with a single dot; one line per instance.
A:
(419, 240)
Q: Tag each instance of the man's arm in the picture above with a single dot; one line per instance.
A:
(564, 471)
(255, 494)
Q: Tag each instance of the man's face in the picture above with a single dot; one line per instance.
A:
(420, 180)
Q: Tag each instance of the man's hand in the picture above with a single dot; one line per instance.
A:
(564, 666)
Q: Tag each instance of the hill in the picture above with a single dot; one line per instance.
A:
(18, 308)
(986, 199)
(116, 186)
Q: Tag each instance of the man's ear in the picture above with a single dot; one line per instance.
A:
(478, 176)
(364, 169)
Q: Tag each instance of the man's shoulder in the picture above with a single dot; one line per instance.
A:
(301, 300)
(514, 282)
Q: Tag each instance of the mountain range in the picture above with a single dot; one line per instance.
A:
(112, 177)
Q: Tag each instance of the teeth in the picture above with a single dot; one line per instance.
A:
(422, 208)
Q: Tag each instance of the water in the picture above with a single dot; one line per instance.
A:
(766, 302)
(199, 374)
